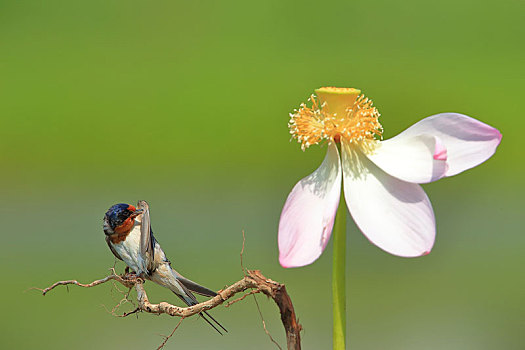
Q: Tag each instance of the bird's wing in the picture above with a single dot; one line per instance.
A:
(193, 286)
(112, 249)
(147, 241)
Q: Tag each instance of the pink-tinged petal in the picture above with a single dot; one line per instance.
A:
(418, 159)
(440, 151)
(393, 214)
(468, 141)
(308, 215)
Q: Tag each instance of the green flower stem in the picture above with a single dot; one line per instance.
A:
(338, 277)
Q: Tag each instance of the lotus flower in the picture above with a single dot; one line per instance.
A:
(380, 178)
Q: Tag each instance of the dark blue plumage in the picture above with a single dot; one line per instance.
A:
(116, 215)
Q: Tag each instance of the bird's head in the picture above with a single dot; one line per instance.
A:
(120, 218)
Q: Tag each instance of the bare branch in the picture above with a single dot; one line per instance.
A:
(253, 279)
(124, 280)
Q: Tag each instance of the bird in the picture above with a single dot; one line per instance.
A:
(130, 238)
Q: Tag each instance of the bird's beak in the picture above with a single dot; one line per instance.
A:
(137, 213)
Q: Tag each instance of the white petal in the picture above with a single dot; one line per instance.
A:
(393, 214)
(468, 141)
(308, 215)
(418, 159)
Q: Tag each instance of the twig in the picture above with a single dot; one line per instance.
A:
(125, 314)
(230, 303)
(166, 338)
(242, 251)
(264, 324)
(121, 302)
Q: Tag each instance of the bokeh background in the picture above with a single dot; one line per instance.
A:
(185, 104)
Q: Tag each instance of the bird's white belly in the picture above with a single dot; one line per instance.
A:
(129, 251)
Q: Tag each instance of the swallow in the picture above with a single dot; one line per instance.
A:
(130, 238)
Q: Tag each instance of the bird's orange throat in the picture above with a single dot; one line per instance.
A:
(122, 231)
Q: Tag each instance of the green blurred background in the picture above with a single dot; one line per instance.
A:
(185, 104)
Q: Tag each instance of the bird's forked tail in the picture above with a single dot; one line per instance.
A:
(190, 300)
